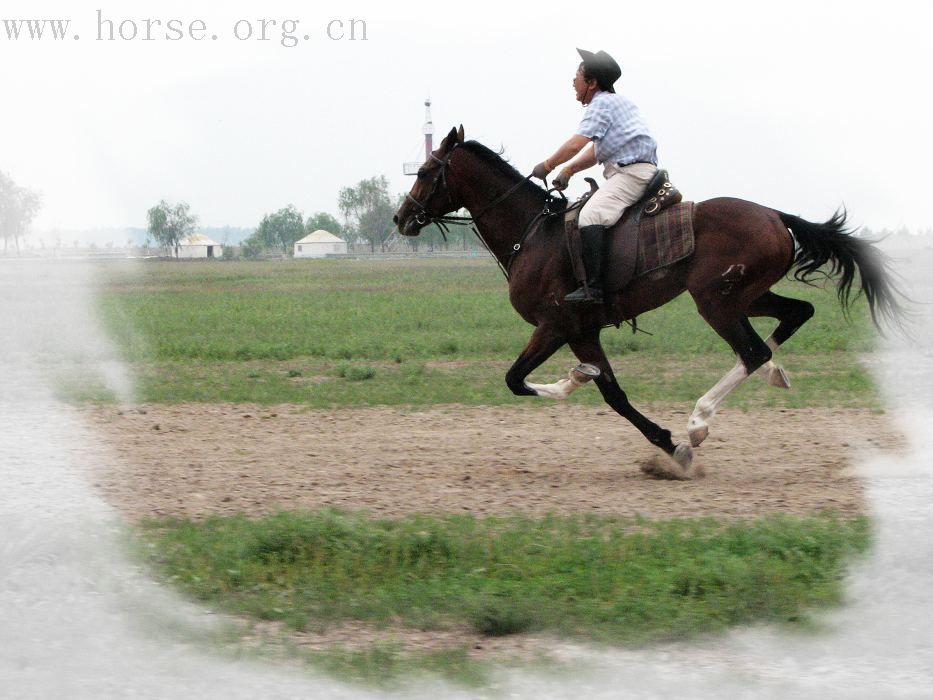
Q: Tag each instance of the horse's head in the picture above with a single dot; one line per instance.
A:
(430, 197)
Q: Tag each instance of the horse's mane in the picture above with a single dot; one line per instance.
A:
(496, 161)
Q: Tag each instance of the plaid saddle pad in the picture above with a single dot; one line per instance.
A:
(665, 238)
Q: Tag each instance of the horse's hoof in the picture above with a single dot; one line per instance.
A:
(698, 434)
(683, 457)
(778, 377)
(584, 372)
(677, 466)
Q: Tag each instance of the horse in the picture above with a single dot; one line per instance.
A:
(741, 249)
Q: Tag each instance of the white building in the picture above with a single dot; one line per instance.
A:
(197, 245)
(319, 244)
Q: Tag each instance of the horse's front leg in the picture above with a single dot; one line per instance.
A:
(589, 350)
(544, 342)
(562, 388)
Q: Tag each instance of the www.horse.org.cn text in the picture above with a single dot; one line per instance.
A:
(286, 32)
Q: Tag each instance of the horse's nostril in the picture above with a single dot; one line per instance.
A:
(395, 219)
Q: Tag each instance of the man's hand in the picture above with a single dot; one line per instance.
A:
(561, 181)
(541, 170)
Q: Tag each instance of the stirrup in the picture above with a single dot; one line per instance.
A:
(585, 295)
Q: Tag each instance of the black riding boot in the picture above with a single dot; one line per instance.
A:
(592, 239)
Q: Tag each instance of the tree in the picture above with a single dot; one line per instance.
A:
(280, 230)
(323, 220)
(18, 207)
(368, 211)
(168, 224)
(250, 248)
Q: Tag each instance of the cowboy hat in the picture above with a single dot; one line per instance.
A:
(601, 66)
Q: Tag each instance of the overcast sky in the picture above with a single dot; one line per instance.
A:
(802, 106)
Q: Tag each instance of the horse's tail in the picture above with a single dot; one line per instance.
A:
(833, 244)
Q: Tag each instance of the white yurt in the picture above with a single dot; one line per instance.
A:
(197, 245)
(320, 244)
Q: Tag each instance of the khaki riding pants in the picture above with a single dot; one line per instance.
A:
(622, 188)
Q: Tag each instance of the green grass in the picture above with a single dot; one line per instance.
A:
(348, 333)
(596, 578)
(817, 380)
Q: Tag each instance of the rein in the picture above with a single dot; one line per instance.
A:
(423, 218)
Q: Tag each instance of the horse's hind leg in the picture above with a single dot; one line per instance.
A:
(752, 353)
(589, 350)
(791, 315)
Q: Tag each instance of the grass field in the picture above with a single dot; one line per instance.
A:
(591, 578)
(349, 333)
(601, 577)
(332, 334)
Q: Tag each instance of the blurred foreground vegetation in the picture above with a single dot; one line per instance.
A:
(604, 579)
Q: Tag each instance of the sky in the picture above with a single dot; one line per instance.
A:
(802, 106)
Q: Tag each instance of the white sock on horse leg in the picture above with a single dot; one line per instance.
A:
(563, 388)
(706, 407)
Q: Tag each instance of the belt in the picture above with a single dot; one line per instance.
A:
(636, 162)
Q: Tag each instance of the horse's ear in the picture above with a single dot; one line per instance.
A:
(451, 138)
(460, 134)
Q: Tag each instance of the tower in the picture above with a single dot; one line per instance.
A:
(428, 130)
(411, 167)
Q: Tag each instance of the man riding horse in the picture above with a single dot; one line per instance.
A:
(624, 146)
(738, 250)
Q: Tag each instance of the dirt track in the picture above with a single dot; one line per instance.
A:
(197, 460)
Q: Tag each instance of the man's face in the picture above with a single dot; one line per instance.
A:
(581, 86)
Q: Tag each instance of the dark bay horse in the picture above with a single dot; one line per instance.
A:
(741, 250)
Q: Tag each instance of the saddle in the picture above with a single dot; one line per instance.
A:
(659, 195)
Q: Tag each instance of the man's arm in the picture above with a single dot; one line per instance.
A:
(568, 150)
(586, 160)
(571, 147)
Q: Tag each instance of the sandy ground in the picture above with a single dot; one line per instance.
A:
(203, 459)
(197, 460)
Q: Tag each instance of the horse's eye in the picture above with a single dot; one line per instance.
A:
(421, 174)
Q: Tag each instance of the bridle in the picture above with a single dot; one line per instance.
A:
(422, 217)
(421, 213)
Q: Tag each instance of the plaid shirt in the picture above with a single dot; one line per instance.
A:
(618, 131)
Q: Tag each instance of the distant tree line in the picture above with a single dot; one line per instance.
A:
(280, 230)
(367, 209)
(18, 207)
